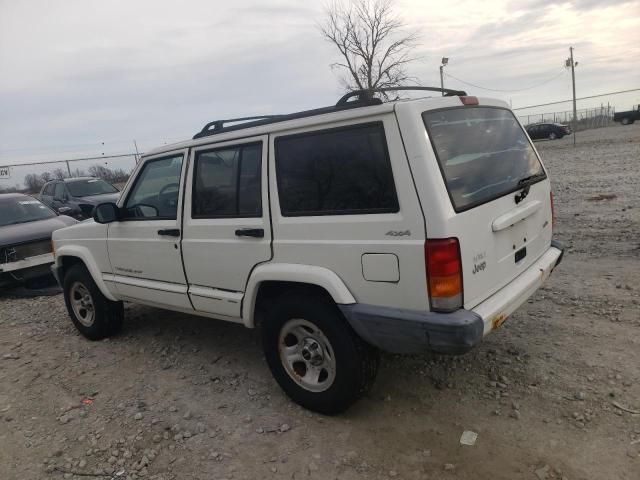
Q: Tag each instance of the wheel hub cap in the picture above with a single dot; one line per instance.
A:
(307, 355)
(82, 304)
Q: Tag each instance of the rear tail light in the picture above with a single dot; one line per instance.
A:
(466, 100)
(444, 274)
(553, 211)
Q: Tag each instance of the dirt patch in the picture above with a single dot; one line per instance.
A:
(602, 196)
(180, 397)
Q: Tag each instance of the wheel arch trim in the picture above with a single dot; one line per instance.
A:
(83, 254)
(292, 273)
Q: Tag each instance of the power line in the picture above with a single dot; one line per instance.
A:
(581, 98)
(517, 90)
(72, 160)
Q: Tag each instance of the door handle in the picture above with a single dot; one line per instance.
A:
(250, 232)
(170, 232)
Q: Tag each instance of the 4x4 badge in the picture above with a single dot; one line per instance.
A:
(396, 233)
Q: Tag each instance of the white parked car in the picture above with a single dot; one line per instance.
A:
(404, 226)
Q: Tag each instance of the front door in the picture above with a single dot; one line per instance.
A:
(226, 223)
(144, 246)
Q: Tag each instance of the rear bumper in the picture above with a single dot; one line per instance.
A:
(398, 330)
(497, 308)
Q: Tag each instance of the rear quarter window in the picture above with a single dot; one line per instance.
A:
(339, 171)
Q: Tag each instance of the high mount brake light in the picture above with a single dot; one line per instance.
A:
(467, 100)
(444, 274)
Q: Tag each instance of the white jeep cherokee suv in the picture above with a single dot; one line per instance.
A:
(403, 226)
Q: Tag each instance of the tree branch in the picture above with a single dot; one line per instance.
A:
(372, 41)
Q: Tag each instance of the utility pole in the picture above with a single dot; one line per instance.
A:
(445, 61)
(137, 152)
(573, 64)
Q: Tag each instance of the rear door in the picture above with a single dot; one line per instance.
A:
(226, 224)
(498, 190)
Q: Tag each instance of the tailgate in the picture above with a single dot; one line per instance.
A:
(499, 191)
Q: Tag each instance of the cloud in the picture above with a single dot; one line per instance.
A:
(81, 72)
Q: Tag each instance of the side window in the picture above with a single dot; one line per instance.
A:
(155, 191)
(59, 190)
(340, 171)
(49, 190)
(227, 182)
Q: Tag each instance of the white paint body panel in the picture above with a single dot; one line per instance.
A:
(217, 261)
(86, 241)
(495, 309)
(146, 265)
(337, 242)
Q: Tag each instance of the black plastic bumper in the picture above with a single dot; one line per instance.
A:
(560, 246)
(397, 330)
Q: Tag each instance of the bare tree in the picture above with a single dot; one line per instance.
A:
(33, 182)
(373, 42)
(59, 174)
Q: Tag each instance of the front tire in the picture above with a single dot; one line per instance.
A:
(315, 356)
(626, 121)
(95, 316)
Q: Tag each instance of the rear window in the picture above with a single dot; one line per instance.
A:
(89, 188)
(483, 153)
(340, 171)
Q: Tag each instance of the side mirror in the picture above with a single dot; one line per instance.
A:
(106, 213)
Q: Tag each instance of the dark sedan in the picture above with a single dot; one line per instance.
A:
(76, 197)
(552, 131)
(26, 226)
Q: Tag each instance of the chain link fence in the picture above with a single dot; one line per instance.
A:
(587, 118)
(30, 177)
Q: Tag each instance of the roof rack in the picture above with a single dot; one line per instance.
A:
(219, 124)
(362, 98)
(368, 94)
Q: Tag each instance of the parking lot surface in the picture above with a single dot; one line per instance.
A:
(554, 393)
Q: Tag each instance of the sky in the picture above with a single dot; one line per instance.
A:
(86, 78)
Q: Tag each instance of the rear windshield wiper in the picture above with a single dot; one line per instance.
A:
(526, 181)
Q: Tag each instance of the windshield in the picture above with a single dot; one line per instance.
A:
(483, 153)
(22, 210)
(88, 188)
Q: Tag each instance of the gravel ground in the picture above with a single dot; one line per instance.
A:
(551, 394)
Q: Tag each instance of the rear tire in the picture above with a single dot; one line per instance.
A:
(553, 136)
(626, 121)
(95, 316)
(314, 355)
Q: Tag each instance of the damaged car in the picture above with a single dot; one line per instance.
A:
(26, 225)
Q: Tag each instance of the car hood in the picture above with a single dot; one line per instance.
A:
(38, 230)
(98, 199)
